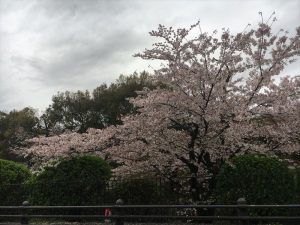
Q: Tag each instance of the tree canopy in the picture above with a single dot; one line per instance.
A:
(15, 127)
(78, 111)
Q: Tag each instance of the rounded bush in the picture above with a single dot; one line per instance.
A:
(261, 180)
(77, 181)
(13, 178)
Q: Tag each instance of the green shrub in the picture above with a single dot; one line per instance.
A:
(138, 190)
(144, 190)
(296, 174)
(77, 181)
(261, 180)
(13, 178)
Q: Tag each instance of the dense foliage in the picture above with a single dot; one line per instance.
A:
(13, 178)
(15, 127)
(78, 111)
(139, 190)
(259, 179)
(77, 181)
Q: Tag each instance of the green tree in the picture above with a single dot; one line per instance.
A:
(15, 127)
(113, 99)
(73, 111)
(78, 111)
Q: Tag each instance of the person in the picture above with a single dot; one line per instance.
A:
(107, 213)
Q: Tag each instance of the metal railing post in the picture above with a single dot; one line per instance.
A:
(119, 212)
(24, 212)
(242, 211)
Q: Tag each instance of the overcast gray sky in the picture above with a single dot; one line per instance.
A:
(48, 46)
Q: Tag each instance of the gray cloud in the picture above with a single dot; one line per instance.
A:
(53, 45)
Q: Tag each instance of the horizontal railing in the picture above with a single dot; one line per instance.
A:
(121, 213)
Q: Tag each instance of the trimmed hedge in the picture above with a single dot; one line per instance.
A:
(13, 178)
(261, 180)
(77, 181)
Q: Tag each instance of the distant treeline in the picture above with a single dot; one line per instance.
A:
(73, 111)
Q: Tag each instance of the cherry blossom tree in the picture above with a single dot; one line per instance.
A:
(220, 98)
(47, 151)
